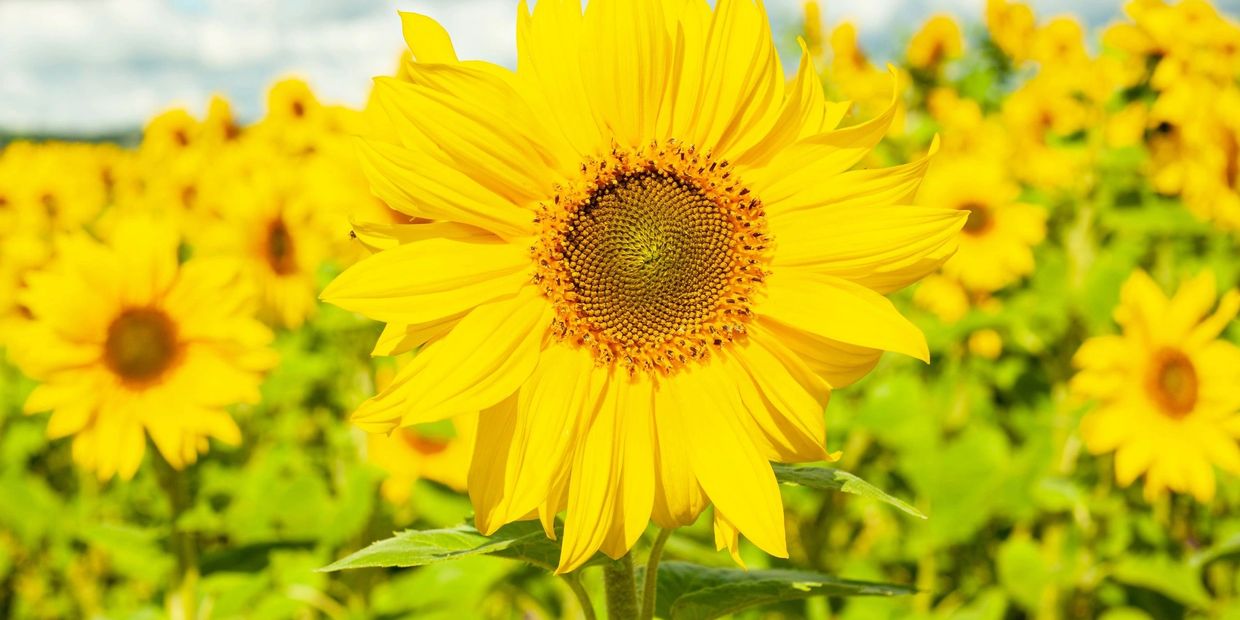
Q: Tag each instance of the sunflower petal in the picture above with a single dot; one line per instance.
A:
(835, 308)
(484, 359)
(438, 278)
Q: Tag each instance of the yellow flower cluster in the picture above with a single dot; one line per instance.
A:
(134, 282)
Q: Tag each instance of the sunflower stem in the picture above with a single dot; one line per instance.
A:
(651, 582)
(182, 597)
(621, 586)
(583, 598)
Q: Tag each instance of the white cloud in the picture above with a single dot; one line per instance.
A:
(82, 66)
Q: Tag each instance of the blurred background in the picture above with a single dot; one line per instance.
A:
(1094, 144)
(100, 68)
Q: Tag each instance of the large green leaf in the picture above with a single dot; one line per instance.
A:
(1176, 580)
(826, 478)
(691, 592)
(523, 541)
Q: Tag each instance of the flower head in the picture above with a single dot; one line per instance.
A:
(125, 343)
(1168, 389)
(642, 257)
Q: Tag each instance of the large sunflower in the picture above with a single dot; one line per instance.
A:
(648, 266)
(1168, 388)
(123, 339)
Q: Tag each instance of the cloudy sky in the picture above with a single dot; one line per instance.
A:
(88, 66)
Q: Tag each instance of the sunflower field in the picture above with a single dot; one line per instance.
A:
(602, 335)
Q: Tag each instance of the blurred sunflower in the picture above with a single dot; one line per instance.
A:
(124, 340)
(648, 265)
(939, 40)
(1168, 387)
(270, 226)
(996, 248)
(407, 455)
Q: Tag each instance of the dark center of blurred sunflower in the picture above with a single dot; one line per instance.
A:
(422, 445)
(648, 256)
(141, 345)
(1172, 382)
(980, 218)
(279, 253)
(653, 259)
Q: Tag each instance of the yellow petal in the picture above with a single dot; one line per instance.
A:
(852, 191)
(421, 186)
(678, 496)
(803, 105)
(483, 360)
(549, 413)
(626, 69)
(883, 248)
(427, 40)
(734, 475)
(727, 537)
(477, 123)
(841, 310)
(839, 364)
(594, 484)
(790, 417)
(549, 65)
(428, 280)
(398, 338)
(812, 160)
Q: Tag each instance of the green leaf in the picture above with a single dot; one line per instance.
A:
(825, 478)
(524, 541)
(691, 592)
(1175, 580)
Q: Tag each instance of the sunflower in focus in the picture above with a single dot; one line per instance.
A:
(1168, 388)
(125, 343)
(996, 248)
(647, 265)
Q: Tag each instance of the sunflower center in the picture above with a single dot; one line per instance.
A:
(422, 445)
(980, 218)
(1172, 382)
(653, 258)
(647, 256)
(141, 345)
(279, 253)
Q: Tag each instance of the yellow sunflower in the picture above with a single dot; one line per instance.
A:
(648, 265)
(996, 248)
(1168, 388)
(407, 456)
(271, 227)
(124, 340)
(938, 40)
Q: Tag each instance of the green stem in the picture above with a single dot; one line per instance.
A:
(650, 587)
(183, 599)
(621, 586)
(583, 598)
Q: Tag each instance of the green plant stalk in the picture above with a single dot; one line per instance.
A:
(583, 598)
(183, 599)
(621, 586)
(651, 584)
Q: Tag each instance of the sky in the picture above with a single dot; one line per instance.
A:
(81, 67)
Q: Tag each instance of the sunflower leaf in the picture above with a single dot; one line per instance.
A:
(523, 541)
(826, 478)
(692, 592)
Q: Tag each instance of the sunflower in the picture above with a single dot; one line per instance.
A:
(647, 267)
(408, 455)
(271, 227)
(124, 340)
(996, 248)
(938, 40)
(1168, 388)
